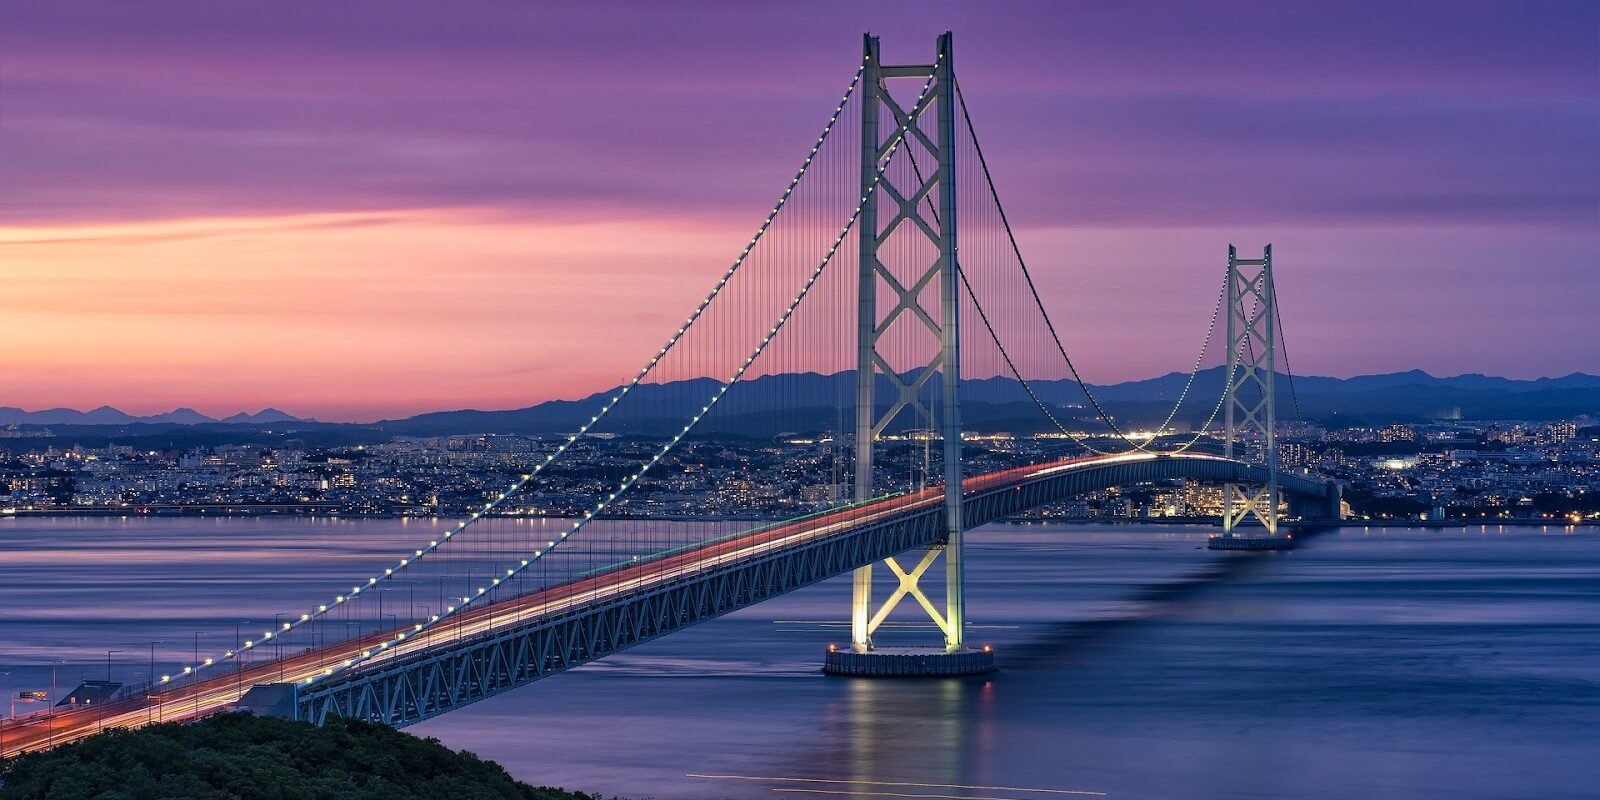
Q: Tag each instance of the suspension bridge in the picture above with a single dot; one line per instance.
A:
(840, 316)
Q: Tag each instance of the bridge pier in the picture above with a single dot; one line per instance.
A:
(1328, 507)
(909, 662)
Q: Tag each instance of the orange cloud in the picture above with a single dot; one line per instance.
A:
(345, 316)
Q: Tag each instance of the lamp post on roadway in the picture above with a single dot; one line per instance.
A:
(411, 586)
(98, 720)
(465, 599)
(238, 661)
(151, 692)
(50, 736)
(196, 687)
(354, 642)
(277, 639)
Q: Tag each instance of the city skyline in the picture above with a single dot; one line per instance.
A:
(372, 217)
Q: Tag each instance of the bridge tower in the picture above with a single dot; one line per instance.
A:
(1251, 415)
(925, 206)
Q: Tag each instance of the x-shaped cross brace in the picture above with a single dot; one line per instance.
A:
(908, 586)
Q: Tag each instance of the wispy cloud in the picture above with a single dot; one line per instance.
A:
(244, 204)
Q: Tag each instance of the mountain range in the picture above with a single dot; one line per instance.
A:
(106, 415)
(810, 401)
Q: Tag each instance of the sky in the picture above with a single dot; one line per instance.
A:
(365, 210)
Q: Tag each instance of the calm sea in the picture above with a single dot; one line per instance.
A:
(1382, 663)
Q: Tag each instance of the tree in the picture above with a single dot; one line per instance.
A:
(245, 757)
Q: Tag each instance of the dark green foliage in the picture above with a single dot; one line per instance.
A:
(243, 756)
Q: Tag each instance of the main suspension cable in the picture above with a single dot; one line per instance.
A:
(484, 591)
(524, 479)
(1011, 365)
(1283, 344)
(1050, 326)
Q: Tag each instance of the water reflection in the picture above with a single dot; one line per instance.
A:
(1444, 664)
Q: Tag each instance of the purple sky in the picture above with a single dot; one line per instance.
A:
(1428, 172)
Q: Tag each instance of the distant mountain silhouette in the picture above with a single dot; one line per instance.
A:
(801, 402)
(106, 415)
(182, 416)
(261, 417)
(809, 401)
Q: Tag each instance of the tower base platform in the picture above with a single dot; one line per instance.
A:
(909, 662)
(1251, 543)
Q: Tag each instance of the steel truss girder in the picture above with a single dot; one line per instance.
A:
(1252, 347)
(414, 688)
(402, 692)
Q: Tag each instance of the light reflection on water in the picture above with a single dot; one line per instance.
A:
(1375, 663)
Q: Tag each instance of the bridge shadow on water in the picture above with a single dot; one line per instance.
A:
(1058, 642)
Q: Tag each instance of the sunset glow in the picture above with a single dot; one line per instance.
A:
(436, 212)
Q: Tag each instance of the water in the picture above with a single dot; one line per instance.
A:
(1383, 663)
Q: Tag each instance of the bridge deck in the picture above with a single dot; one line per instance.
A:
(518, 640)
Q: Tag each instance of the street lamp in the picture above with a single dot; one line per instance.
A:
(353, 642)
(51, 734)
(411, 586)
(196, 687)
(427, 611)
(152, 690)
(277, 639)
(238, 661)
(197, 635)
(466, 598)
(98, 720)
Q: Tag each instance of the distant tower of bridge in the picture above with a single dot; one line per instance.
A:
(1251, 415)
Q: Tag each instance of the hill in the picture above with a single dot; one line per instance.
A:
(244, 757)
(809, 402)
(800, 402)
(106, 415)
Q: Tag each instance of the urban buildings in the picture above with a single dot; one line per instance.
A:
(1424, 472)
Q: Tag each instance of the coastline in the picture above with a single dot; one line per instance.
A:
(1342, 523)
(303, 510)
